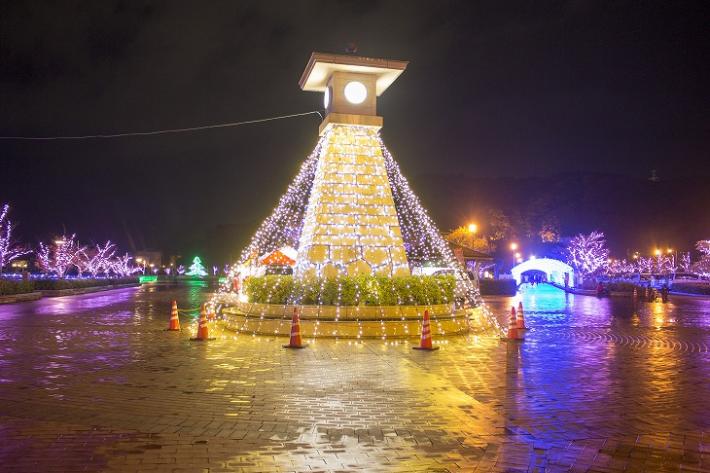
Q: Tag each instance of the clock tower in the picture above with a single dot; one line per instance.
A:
(351, 226)
(350, 86)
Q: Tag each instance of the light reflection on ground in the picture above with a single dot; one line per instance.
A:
(94, 383)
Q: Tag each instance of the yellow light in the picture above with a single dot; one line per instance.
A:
(472, 227)
(669, 250)
(513, 246)
(658, 252)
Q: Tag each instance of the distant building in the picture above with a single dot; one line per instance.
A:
(471, 259)
(148, 258)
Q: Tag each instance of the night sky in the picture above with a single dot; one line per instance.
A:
(493, 90)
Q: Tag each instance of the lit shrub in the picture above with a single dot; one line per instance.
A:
(351, 290)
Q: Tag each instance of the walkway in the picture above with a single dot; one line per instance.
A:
(93, 383)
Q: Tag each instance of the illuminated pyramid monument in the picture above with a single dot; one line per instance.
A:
(352, 221)
(351, 225)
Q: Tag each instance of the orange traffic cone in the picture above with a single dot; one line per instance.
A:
(174, 323)
(513, 332)
(425, 343)
(202, 328)
(295, 341)
(520, 321)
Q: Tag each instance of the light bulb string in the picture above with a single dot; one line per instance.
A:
(161, 132)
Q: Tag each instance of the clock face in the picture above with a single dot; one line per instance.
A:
(326, 97)
(355, 92)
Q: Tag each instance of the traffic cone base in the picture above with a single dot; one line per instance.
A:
(425, 342)
(202, 328)
(295, 341)
(174, 324)
(520, 318)
(514, 333)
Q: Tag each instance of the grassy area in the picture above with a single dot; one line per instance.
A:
(10, 287)
(55, 284)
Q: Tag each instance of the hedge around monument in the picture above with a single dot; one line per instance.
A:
(351, 290)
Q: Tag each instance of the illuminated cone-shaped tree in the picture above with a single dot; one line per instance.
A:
(197, 268)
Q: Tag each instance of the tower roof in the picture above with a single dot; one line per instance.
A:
(322, 65)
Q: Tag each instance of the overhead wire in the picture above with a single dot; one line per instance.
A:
(160, 132)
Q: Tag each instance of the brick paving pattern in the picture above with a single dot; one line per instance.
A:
(94, 383)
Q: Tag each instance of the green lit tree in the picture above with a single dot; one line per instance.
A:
(197, 268)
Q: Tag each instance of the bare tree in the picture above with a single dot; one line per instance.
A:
(702, 266)
(9, 249)
(98, 259)
(588, 253)
(61, 255)
(685, 262)
(122, 266)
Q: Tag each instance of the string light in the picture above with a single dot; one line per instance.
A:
(350, 211)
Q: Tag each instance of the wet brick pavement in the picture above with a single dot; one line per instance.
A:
(93, 383)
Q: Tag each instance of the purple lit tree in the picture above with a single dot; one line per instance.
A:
(619, 268)
(702, 266)
(684, 264)
(60, 256)
(645, 265)
(588, 254)
(122, 266)
(9, 249)
(98, 259)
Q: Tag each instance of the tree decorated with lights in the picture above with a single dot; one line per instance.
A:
(197, 268)
(360, 233)
(60, 256)
(588, 254)
(702, 266)
(98, 259)
(9, 249)
(685, 262)
(122, 265)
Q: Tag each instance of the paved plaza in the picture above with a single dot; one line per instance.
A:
(94, 383)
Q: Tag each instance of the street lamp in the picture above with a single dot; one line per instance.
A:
(513, 246)
(472, 228)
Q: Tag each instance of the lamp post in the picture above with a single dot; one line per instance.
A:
(516, 254)
(141, 262)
